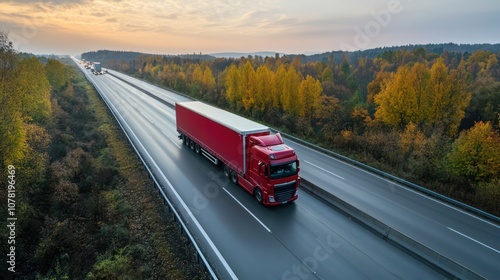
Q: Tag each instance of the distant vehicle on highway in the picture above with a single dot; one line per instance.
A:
(97, 68)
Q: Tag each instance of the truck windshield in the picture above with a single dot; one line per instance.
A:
(283, 170)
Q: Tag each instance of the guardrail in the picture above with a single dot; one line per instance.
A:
(199, 254)
(150, 94)
(393, 178)
(425, 254)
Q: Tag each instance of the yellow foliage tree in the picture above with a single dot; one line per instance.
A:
(197, 74)
(208, 80)
(412, 141)
(12, 130)
(265, 94)
(233, 89)
(475, 155)
(280, 86)
(309, 97)
(24, 97)
(449, 98)
(431, 99)
(394, 101)
(248, 86)
(56, 74)
(290, 91)
(33, 90)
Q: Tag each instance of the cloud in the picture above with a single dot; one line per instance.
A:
(281, 25)
(54, 2)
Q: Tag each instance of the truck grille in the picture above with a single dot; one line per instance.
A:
(284, 192)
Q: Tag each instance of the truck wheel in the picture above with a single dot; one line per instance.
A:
(234, 177)
(257, 193)
(227, 171)
(197, 148)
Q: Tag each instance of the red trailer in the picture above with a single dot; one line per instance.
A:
(251, 156)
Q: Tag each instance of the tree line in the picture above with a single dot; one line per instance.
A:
(430, 118)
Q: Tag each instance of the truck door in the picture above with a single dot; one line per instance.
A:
(255, 177)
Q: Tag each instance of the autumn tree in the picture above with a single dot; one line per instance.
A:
(328, 116)
(449, 98)
(412, 141)
(197, 74)
(475, 155)
(290, 91)
(395, 101)
(233, 90)
(33, 90)
(431, 99)
(374, 87)
(327, 74)
(56, 74)
(481, 62)
(208, 80)
(309, 97)
(248, 85)
(280, 85)
(12, 132)
(265, 94)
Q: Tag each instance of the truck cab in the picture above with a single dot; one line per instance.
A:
(273, 170)
(252, 157)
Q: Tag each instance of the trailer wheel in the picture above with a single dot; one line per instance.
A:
(184, 140)
(234, 177)
(227, 171)
(197, 148)
(191, 144)
(257, 193)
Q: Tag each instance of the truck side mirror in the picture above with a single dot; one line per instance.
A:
(262, 169)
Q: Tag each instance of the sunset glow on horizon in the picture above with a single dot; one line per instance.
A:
(174, 27)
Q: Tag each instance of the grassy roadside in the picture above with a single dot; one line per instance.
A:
(148, 221)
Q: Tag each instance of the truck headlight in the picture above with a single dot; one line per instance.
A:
(271, 198)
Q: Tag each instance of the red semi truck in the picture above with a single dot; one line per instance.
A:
(252, 157)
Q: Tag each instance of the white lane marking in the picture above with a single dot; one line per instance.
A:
(146, 117)
(324, 169)
(474, 240)
(164, 133)
(186, 208)
(247, 210)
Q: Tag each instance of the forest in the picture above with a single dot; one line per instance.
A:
(423, 113)
(84, 205)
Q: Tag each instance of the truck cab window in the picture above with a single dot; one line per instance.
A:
(283, 170)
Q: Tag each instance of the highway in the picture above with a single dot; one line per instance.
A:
(307, 239)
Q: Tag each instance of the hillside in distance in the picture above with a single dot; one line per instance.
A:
(243, 54)
(104, 56)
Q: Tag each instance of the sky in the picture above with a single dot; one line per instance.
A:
(285, 26)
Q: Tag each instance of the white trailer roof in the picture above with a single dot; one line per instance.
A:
(227, 119)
